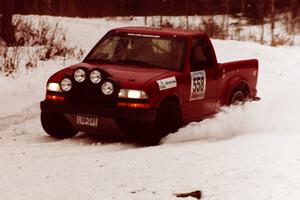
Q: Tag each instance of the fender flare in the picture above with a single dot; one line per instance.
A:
(230, 86)
(169, 95)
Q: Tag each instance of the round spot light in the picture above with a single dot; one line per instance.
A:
(95, 76)
(66, 84)
(79, 75)
(107, 88)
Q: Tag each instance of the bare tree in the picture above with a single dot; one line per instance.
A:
(227, 4)
(7, 29)
(272, 21)
(295, 12)
(71, 7)
(243, 7)
(261, 12)
(187, 7)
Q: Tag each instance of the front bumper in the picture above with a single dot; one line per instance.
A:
(111, 120)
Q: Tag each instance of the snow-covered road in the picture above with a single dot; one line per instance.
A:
(252, 166)
(249, 152)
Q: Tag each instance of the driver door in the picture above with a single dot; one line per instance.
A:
(203, 81)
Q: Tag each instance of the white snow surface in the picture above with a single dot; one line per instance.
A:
(246, 152)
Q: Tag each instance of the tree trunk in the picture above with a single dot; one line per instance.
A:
(227, 3)
(186, 14)
(243, 6)
(7, 29)
(272, 21)
(262, 21)
(295, 12)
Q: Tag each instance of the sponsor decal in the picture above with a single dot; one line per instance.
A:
(198, 85)
(143, 35)
(167, 83)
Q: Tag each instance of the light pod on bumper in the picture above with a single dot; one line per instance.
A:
(95, 76)
(66, 84)
(107, 88)
(79, 75)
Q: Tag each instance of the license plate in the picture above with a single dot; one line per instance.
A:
(86, 120)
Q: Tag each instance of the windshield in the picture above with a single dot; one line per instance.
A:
(140, 50)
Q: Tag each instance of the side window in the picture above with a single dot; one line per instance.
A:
(200, 55)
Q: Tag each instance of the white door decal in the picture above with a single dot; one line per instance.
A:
(198, 85)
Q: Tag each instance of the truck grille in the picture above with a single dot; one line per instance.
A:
(90, 94)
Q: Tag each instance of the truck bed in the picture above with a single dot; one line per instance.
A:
(239, 71)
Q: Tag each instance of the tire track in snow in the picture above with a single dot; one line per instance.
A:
(27, 114)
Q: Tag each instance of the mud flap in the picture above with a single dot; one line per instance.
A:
(256, 99)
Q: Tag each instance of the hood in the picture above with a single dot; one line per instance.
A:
(130, 76)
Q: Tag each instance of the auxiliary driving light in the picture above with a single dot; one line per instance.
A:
(107, 88)
(95, 76)
(79, 75)
(66, 84)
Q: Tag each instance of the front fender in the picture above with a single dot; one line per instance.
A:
(157, 94)
(161, 96)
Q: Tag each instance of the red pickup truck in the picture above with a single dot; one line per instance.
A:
(145, 83)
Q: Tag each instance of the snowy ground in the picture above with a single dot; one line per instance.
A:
(249, 152)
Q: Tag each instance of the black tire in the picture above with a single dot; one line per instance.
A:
(237, 98)
(168, 120)
(56, 125)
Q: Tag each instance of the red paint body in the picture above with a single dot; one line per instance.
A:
(221, 79)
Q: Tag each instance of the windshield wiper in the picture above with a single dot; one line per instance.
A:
(136, 62)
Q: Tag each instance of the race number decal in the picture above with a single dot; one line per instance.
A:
(198, 85)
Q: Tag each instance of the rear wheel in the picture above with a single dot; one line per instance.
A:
(56, 125)
(240, 94)
(237, 98)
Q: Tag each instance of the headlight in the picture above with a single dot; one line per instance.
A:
(95, 76)
(53, 87)
(79, 75)
(133, 94)
(107, 88)
(66, 84)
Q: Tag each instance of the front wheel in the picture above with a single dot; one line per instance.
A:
(168, 120)
(56, 125)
